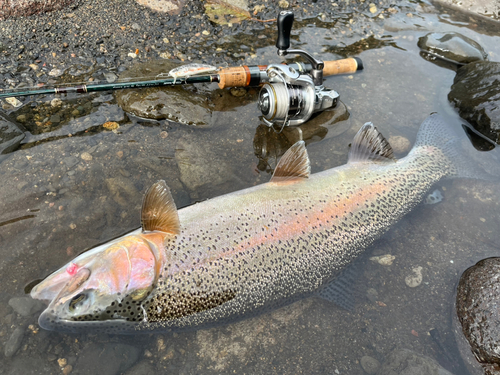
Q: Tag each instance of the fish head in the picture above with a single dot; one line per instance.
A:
(106, 285)
(93, 287)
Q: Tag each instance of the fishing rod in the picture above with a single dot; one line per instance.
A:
(290, 93)
(241, 76)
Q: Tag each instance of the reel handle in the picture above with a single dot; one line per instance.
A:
(285, 22)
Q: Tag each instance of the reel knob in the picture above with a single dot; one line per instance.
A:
(285, 22)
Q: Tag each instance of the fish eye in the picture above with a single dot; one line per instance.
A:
(75, 300)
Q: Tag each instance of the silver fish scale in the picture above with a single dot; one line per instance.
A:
(206, 263)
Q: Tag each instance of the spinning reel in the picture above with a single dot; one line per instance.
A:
(291, 96)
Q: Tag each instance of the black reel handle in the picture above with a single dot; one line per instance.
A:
(285, 22)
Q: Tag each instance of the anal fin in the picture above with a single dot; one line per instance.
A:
(342, 290)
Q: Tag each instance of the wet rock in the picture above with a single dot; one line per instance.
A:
(476, 94)
(25, 306)
(452, 47)
(107, 359)
(407, 362)
(187, 104)
(10, 136)
(14, 342)
(478, 316)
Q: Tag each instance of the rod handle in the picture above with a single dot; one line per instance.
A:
(344, 66)
(238, 76)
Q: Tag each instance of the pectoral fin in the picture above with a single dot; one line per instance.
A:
(159, 211)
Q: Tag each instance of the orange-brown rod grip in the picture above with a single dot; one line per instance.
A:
(349, 65)
(238, 76)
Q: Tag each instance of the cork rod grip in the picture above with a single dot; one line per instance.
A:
(349, 65)
(234, 77)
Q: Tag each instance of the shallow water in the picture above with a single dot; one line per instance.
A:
(56, 202)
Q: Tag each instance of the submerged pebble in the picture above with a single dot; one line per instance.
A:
(369, 364)
(415, 278)
(434, 197)
(14, 342)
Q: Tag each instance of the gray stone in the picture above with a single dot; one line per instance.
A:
(407, 362)
(25, 306)
(107, 359)
(14, 342)
(476, 94)
(110, 77)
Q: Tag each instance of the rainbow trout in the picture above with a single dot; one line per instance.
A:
(254, 250)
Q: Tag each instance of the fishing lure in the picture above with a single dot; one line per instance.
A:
(191, 70)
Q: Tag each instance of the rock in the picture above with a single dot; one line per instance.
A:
(167, 6)
(86, 156)
(107, 359)
(384, 260)
(369, 364)
(407, 362)
(452, 47)
(15, 8)
(415, 278)
(110, 77)
(25, 306)
(14, 342)
(10, 136)
(187, 104)
(478, 316)
(476, 94)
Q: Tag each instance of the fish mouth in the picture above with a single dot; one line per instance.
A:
(50, 321)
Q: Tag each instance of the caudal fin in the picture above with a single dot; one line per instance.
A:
(452, 139)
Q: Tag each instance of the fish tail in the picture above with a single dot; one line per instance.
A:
(468, 153)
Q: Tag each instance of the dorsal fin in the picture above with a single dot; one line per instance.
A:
(293, 165)
(159, 211)
(369, 145)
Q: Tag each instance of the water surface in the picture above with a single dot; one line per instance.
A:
(56, 201)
